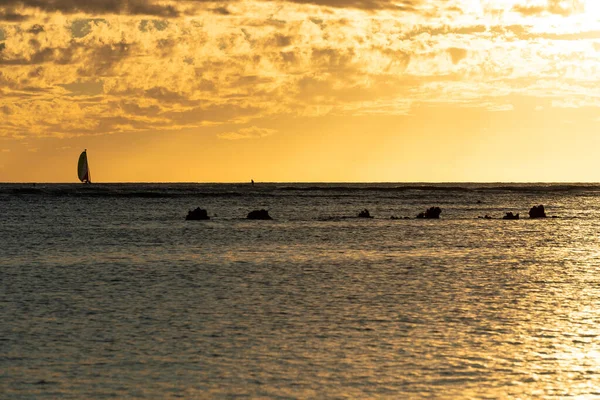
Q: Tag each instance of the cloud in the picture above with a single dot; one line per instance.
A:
(402, 5)
(21, 10)
(558, 7)
(221, 10)
(96, 7)
(457, 54)
(501, 107)
(247, 133)
(8, 14)
(66, 72)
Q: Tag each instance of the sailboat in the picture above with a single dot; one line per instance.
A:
(83, 169)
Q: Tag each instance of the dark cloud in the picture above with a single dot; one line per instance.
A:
(405, 5)
(82, 27)
(104, 58)
(159, 25)
(282, 40)
(91, 88)
(133, 108)
(332, 60)
(141, 7)
(166, 96)
(168, 10)
(35, 29)
(10, 15)
(38, 57)
(288, 57)
(95, 61)
(402, 5)
(221, 11)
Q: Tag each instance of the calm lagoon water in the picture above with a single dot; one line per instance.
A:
(107, 292)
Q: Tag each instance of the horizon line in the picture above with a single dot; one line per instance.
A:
(303, 182)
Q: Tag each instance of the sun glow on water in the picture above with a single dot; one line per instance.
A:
(312, 303)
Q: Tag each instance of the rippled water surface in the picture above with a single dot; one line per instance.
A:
(106, 291)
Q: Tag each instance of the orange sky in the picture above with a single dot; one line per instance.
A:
(320, 90)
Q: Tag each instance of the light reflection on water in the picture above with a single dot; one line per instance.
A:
(129, 300)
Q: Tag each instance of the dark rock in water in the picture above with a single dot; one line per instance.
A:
(197, 215)
(259, 214)
(485, 217)
(537, 212)
(431, 213)
(364, 214)
(510, 215)
(394, 217)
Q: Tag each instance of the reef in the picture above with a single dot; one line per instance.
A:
(259, 214)
(197, 215)
(364, 214)
(431, 213)
(537, 212)
(510, 215)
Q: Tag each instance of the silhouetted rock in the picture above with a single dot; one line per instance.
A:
(394, 217)
(259, 214)
(364, 214)
(485, 217)
(197, 215)
(537, 212)
(510, 215)
(431, 213)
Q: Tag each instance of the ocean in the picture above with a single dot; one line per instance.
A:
(106, 291)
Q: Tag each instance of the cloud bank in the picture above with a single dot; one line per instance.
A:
(72, 68)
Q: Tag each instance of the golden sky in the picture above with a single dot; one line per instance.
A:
(300, 90)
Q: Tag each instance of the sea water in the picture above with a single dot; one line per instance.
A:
(106, 291)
